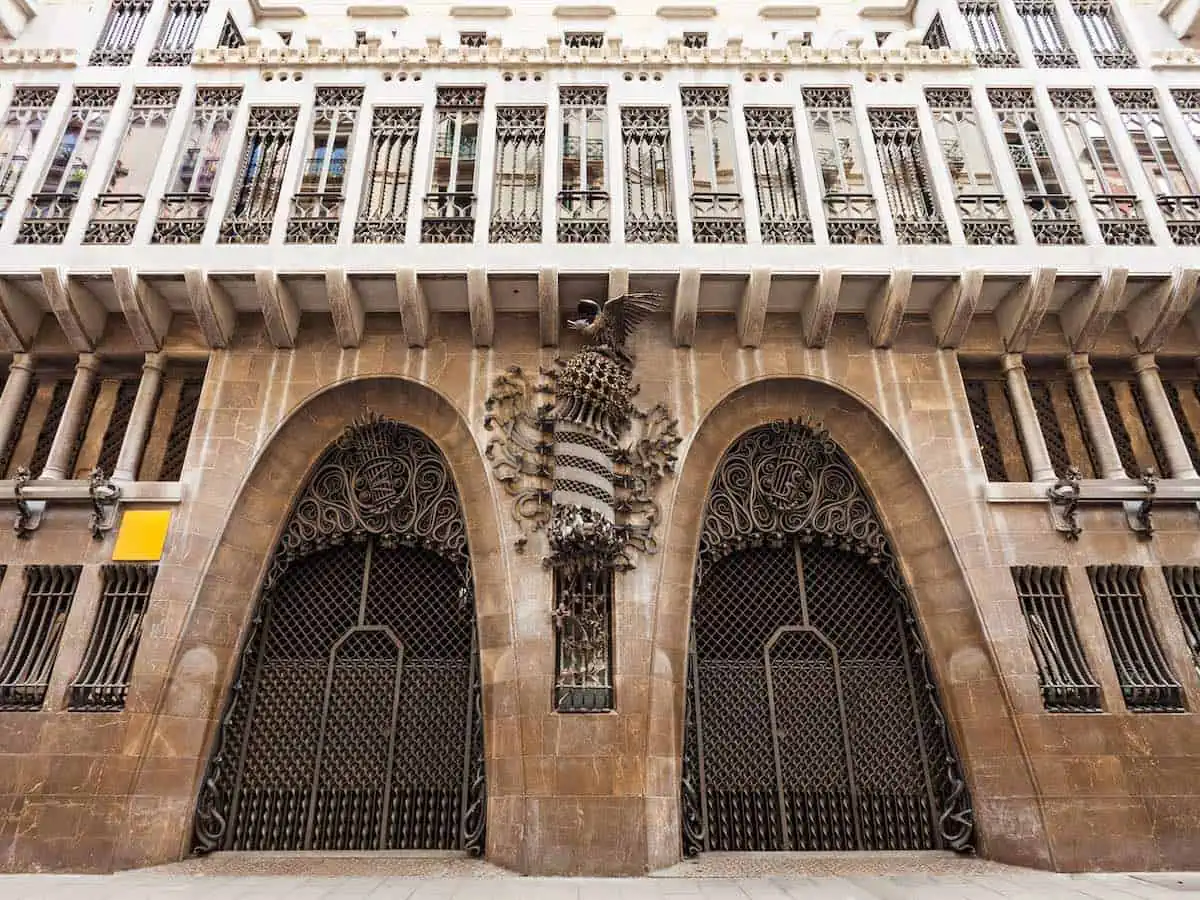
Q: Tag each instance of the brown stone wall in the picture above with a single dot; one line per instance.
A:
(599, 793)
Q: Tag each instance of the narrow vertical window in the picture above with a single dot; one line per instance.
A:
(103, 678)
(695, 40)
(32, 647)
(51, 208)
(231, 36)
(449, 213)
(19, 133)
(1067, 682)
(1147, 682)
(1183, 396)
(850, 213)
(256, 192)
(473, 39)
(517, 193)
(906, 179)
(649, 194)
(20, 420)
(935, 35)
(583, 202)
(171, 430)
(1174, 187)
(718, 216)
(383, 213)
(120, 34)
(782, 212)
(1050, 207)
(177, 37)
(1129, 420)
(981, 205)
(316, 211)
(119, 206)
(1050, 47)
(995, 423)
(584, 40)
(1115, 204)
(41, 412)
(993, 49)
(188, 200)
(583, 676)
(1184, 583)
(1105, 38)
(1060, 417)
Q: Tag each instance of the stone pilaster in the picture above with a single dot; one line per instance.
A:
(133, 444)
(1040, 468)
(1163, 419)
(1107, 458)
(20, 374)
(62, 450)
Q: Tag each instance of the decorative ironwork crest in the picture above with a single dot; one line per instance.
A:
(1134, 98)
(460, 97)
(714, 97)
(1011, 98)
(35, 97)
(1073, 98)
(827, 98)
(948, 98)
(582, 96)
(218, 97)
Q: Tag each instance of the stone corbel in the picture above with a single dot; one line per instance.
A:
(953, 310)
(79, 312)
(480, 307)
(414, 307)
(1021, 312)
(687, 307)
(212, 307)
(1086, 315)
(752, 311)
(885, 312)
(20, 317)
(819, 309)
(346, 308)
(279, 309)
(145, 309)
(1154, 315)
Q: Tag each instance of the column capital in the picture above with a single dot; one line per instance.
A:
(1145, 362)
(155, 361)
(1012, 362)
(1079, 362)
(24, 361)
(87, 362)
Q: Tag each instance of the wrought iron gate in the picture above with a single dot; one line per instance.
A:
(354, 721)
(812, 718)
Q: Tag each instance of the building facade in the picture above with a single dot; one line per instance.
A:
(592, 435)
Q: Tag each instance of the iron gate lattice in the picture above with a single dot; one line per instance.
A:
(812, 719)
(355, 720)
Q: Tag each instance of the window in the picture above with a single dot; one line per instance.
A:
(177, 37)
(935, 35)
(1060, 417)
(517, 193)
(231, 36)
(782, 212)
(317, 207)
(119, 206)
(383, 215)
(1184, 584)
(1050, 47)
(449, 214)
(37, 420)
(695, 40)
(1147, 683)
(33, 645)
(583, 212)
(19, 133)
(649, 194)
(717, 213)
(103, 678)
(286, 37)
(984, 23)
(583, 676)
(120, 34)
(1183, 395)
(996, 429)
(881, 36)
(472, 39)
(584, 40)
(906, 179)
(256, 192)
(981, 206)
(849, 202)
(1068, 684)
(1105, 38)
(360, 38)
(1129, 420)
(188, 200)
(174, 418)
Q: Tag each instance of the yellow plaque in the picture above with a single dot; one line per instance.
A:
(142, 535)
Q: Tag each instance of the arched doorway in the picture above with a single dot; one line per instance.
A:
(354, 720)
(812, 719)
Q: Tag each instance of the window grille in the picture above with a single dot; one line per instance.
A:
(1147, 682)
(906, 179)
(1064, 429)
(1175, 188)
(231, 36)
(177, 38)
(171, 432)
(383, 213)
(19, 133)
(1132, 427)
(120, 34)
(1068, 684)
(782, 212)
(260, 175)
(118, 421)
(1115, 204)
(51, 208)
(1051, 49)
(1183, 396)
(119, 206)
(449, 213)
(1105, 38)
(848, 199)
(103, 678)
(59, 389)
(1184, 583)
(980, 201)
(316, 211)
(993, 49)
(583, 201)
(935, 35)
(185, 206)
(649, 200)
(695, 40)
(717, 213)
(1050, 207)
(996, 428)
(33, 645)
(472, 39)
(583, 672)
(584, 40)
(18, 429)
(517, 194)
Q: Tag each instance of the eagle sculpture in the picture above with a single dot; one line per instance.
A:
(610, 325)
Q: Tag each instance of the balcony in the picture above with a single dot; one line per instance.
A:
(314, 218)
(115, 219)
(718, 218)
(1121, 220)
(985, 219)
(851, 218)
(48, 218)
(1182, 212)
(448, 218)
(181, 218)
(1053, 219)
(583, 217)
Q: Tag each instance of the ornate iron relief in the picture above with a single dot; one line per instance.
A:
(517, 204)
(583, 96)
(1064, 503)
(1187, 99)
(827, 97)
(783, 217)
(649, 201)
(460, 97)
(34, 97)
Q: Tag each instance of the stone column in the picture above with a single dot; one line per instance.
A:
(133, 444)
(1095, 421)
(63, 448)
(1161, 415)
(20, 374)
(1040, 468)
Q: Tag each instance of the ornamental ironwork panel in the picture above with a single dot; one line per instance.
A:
(59, 392)
(649, 193)
(935, 35)
(448, 213)
(993, 49)
(583, 671)
(1067, 682)
(118, 421)
(850, 211)
(906, 178)
(985, 430)
(256, 193)
(583, 40)
(32, 648)
(354, 718)
(716, 201)
(782, 212)
(180, 434)
(1184, 584)
(1178, 392)
(517, 193)
(103, 678)
(178, 34)
(17, 427)
(812, 718)
(1105, 37)
(1051, 49)
(383, 214)
(120, 34)
(583, 201)
(231, 36)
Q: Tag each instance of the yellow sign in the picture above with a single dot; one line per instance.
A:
(142, 535)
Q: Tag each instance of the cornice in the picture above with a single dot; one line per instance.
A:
(481, 12)
(262, 9)
(39, 58)
(376, 11)
(686, 12)
(795, 11)
(574, 11)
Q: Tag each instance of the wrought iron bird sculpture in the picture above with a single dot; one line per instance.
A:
(610, 325)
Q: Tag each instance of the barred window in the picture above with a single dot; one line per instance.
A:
(32, 647)
(988, 35)
(103, 678)
(178, 34)
(1068, 684)
(717, 214)
(995, 423)
(472, 39)
(256, 191)
(1050, 46)
(1183, 395)
(19, 132)
(383, 213)
(1107, 41)
(935, 35)
(120, 34)
(174, 419)
(649, 194)
(583, 200)
(1129, 420)
(579, 40)
(231, 36)
(849, 201)
(782, 211)
(583, 673)
(695, 40)
(1060, 416)
(1184, 583)
(449, 214)
(517, 192)
(1146, 679)
(316, 209)
(37, 419)
(906, 179)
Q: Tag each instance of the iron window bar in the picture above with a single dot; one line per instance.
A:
(1050, 46)
(1181, 391)
(782, 211)
(1067, 682)
(120, 34)
(1105, 37)
(231, 36)
(449, 207)
(177, 37)
(32, 648)
(256, 192)
(584, 208)
(1184, 584)
(23, 124)
(717, 210)
(649, 192)
(583, 672)
(851, 215)
(102, 682)
(695, 40)
(906, 177)
(583, 40)
(999, 439)
(993, 49)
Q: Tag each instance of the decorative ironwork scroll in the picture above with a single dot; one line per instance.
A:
(812, 717)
